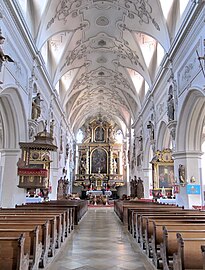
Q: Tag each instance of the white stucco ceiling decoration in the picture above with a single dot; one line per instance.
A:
(91, 48)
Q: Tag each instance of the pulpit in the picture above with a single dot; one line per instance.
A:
(34, 164)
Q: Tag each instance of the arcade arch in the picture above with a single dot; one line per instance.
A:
(13, 127)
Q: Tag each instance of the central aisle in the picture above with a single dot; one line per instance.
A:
(100, 243)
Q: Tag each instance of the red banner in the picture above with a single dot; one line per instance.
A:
(32, 172)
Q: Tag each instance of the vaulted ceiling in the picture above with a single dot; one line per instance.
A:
(102, 56)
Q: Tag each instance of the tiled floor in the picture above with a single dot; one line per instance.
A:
(100, 243)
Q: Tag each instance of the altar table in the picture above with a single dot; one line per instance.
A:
(99, 192)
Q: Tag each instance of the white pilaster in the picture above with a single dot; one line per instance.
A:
(192, 162)
(10, 193)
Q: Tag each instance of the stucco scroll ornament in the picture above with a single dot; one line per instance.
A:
(63, 10)
(142, 9)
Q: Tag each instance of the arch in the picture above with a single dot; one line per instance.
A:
(13, 118)
(163, 137)
(190, 123)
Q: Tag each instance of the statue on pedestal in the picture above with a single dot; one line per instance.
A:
(170, 107)
(36, 108)
(140, 189)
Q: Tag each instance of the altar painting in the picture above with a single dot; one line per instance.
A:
(99, 161)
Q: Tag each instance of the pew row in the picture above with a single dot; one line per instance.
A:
(169, 245)
(189, 254)
(32, 244)
(12, 253)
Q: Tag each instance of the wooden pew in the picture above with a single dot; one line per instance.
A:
(32, 245)
(148, 224)
(121, 208)
(73, 219)
(52, 227)
(80, 206)
(136, 215)
(189, 254)
(133, 212)
(153, 235)
(57, 223)
(12, 254)
(44, 237)
(169, 245)
(152, 239)
(67, 215)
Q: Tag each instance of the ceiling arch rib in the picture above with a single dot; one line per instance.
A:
(108, 85)
(97, 102)
(118, 119)
(104, 78)
(104, 51)
(59, 16)
(99, 99)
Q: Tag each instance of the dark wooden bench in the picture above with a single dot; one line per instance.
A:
(189, 253)
(12, 253)
(52, 227)
(32, 245)
(122, 207)
(80, 206)
(44, 236)
(75, 215)
(67, 214)
(136, 214)
(57, 223)
(153, 234)
(169, 245)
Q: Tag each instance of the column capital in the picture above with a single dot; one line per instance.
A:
(187, 154)
(10, 152)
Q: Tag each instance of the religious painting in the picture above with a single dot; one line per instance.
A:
(99, 134)
(163, 170)
(166, 176)
(99, 161)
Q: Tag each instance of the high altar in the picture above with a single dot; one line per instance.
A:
(100, 163)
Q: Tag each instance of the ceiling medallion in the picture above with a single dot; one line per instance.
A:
(101, 82)
(101, 60)
(102, 21)
(101, 42)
